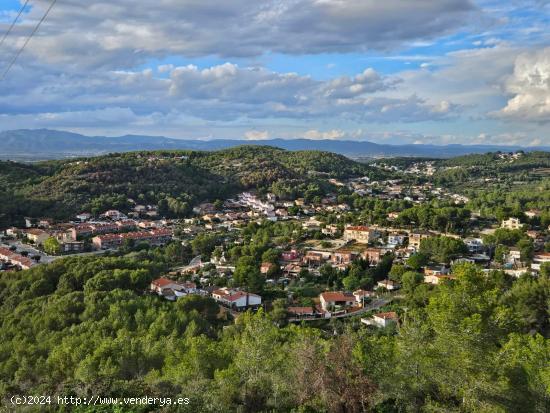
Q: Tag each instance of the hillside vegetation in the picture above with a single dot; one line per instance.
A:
(179, 179)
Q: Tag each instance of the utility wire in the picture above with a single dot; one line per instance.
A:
(13, 23)
(27, 40)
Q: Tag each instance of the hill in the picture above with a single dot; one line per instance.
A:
(51, 144)
(172, 180)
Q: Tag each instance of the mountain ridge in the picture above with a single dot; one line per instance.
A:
(52, 144)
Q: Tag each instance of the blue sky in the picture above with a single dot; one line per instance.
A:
(428, 71)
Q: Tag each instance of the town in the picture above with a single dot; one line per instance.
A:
(329, 236)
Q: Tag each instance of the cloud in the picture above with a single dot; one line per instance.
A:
(320, 135)
(219, 93)
(126, 32)
(529, 86)
(256, 135)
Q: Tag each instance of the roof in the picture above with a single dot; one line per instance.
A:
(390, 315)
(231, 295)
(337, 296)
(358, 228)
(162, 282)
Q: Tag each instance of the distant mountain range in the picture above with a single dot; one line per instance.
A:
(25, 144)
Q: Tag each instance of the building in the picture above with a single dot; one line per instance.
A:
(344, 256)
(72, 246)
(382, 319)
(154, 237)
(266, 267)
(361, 234)
(540, 259)
(15, 259)
(388, 285)
(291, 255)
(236, 299)
(302, 312)
(415, 238)
(435, 270)
(172, 290)
(511, 223)
(474, 245)
(362, 296)
(334, 300)
(437, 278)
(372, 255)
(37, 236)
(396, 238)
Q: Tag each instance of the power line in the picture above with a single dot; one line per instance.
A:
(27, 40)
(13, 23)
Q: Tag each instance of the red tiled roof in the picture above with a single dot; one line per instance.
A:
(301, 310)
(337, 296)
(358, 228)
(162, 282)
(390, 315)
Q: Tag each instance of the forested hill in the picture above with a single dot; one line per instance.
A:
(512, 167)
(174, 180)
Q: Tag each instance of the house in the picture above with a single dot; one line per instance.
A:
(266, 267)
(302, 312)
(172, 290)
(344, 256)
(361, 296)
(316, 258)
(15, 259)
(84, 216)
(511, 223)
(381, 319)
(330, 230)
(474, 245)
(415, 238)
(332, 300)
(114, 215)
(540, 259)
(361, 234)
(37, 236)
(396, 238)
(437, 279)
(514, 256)
(372, 255)
(532, 213)
(154, 237)
(291, 255)
(388, 285)
(435, 270)
(236, 299)
(72, 246)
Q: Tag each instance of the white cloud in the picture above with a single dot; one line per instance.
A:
(221, 92)
(123, 33)
(256, 135)
(320, 135)
(530, 87)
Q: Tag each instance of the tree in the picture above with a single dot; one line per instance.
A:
(442, 249)
(417, 261)
(52, 246)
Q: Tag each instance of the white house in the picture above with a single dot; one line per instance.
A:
(388, 285)
(381, 319)
(512, 223)
(540, 259)
(170, 289)
(331, 300)
(236, 299)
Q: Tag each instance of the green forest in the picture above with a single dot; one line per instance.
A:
(173, 180)
(84, 326)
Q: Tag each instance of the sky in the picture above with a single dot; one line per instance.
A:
(392, 71)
